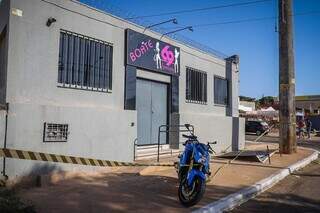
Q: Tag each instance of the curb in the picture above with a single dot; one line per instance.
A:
(233, 200)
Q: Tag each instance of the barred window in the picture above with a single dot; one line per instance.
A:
(220, 90)
(196, 86)
(55, 132)
(84, 62)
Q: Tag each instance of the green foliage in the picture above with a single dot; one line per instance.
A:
(10, 203)
(265, 102)
(246, 98)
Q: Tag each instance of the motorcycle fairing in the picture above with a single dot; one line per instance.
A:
(192, 174)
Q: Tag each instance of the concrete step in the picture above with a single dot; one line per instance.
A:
(149, 152)
(154, 155)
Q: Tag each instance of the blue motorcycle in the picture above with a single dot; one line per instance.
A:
(193, 169)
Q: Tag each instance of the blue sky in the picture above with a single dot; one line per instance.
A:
(255, 42)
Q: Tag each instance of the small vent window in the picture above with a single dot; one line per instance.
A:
(55, 132)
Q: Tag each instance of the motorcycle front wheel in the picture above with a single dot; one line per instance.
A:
(190, 196)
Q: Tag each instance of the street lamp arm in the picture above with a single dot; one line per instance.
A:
(178, 30)
(173, 20)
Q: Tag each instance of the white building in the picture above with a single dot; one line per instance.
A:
(81, 82)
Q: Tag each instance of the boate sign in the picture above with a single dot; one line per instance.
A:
(146, 52)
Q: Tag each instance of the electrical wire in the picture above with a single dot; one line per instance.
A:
(200, 9)
(252, 19)
(247, 20)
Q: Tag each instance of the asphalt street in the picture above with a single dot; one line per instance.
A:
(299, 192)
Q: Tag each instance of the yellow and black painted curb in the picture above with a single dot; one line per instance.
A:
(39, 156)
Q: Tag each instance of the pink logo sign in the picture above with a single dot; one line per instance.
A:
(167, 55)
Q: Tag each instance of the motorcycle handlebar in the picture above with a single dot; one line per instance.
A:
(214, 142)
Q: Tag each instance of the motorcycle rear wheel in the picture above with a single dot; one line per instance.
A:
(195, 195)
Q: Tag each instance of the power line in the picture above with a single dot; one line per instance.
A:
(199, 9)
(252, 19)
(247, 20)
(233, 22)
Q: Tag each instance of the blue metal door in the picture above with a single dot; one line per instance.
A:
(152, 111)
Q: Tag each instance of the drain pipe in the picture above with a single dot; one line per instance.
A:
(6, 108)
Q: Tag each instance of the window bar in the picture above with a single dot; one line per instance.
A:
(192, 85)
(81, 62)
(61, 64)
(102, 62)
(198, 86)
(110, 68)
(65, 58)
(87, 63)
(93, 64)
(75, 61)
(193, 79)
(106, 77)
(103, 66)
(202, 87)
(195, 86)
(206, 89)
(187, 85)
(96, 66)
(70, 57)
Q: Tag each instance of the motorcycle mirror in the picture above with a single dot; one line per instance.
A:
(187, 126)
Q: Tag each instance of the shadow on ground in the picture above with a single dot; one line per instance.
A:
(115, 192)
(130, 192)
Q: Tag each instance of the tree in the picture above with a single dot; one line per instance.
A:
(265, 101)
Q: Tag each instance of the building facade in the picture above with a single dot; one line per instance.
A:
(308, 104)
(78, 81)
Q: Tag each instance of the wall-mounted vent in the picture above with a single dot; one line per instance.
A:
(55, 132)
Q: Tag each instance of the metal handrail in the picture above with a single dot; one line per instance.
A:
(168, 129)
(134, 148)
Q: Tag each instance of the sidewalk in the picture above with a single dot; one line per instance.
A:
(147, 189)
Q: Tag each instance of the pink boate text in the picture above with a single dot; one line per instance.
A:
(140, 51)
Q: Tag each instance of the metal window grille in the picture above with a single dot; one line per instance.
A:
(84, 63)
(55, 132)
(196, 86)
(221, 94)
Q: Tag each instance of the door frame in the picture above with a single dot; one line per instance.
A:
(168, 108)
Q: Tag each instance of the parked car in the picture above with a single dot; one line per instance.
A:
(257, 127)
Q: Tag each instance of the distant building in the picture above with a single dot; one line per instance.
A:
(246, 104)
(308, 104)
(250, 104)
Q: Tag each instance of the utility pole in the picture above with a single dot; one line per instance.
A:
(287, 112)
